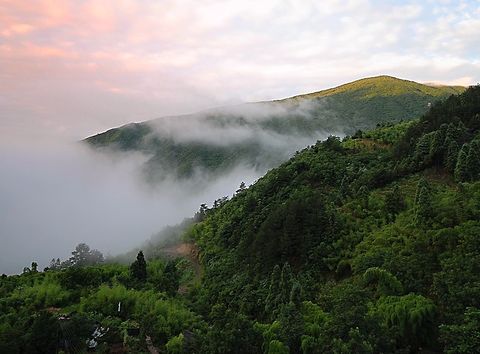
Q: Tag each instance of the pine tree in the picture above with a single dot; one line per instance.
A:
(286, 282)
(437, 146)
(344, 189)
(296, 294)
(422, 149)
(452, 153)
(462, 132)
(461, 169)
(423, 209)
(171, 278)
(273, 291)
(394, 202)
(138, 268)
(363, 196)
(475, 122)
(452, 133)
(241, 188)
(421, 184)
(473, 160)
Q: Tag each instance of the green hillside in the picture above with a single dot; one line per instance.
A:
(368, 244)
(269, 131)
(384, 86)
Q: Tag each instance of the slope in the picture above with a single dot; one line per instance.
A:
(354, 246)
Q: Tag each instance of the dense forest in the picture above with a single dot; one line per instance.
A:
(369, 244)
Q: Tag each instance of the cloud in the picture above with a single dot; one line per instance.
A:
(58, 195)
(134, 60)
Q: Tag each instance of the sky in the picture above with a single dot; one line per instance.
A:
(71, 68)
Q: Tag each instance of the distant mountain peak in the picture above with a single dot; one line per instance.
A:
(382, 85)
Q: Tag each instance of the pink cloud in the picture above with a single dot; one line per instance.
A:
(172, 56)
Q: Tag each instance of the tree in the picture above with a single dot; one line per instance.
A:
(34, 267)
(386, 283)
(296, 294)
(201, 213)
(277, 347)
(422, 149)
(394, 202)
(84, 256)
(43, 334)
(363, 196)
(175, 345)
(464, 337)
(286, 282)
(412, 317)
(422, 183)
(452, 153)
(437, 146)
(461, 168)
(344, 189)
(138, 268)
(271, 302)
(423, 207)
(241, 188)
(473, 161)
(171, 278)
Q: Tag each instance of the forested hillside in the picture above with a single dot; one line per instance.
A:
(262, 135)
(368, 244)
(355, 246)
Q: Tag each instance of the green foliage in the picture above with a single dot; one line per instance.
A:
(42, 293)
(452, 154)
(272, 301)
(473, 161)
(423, 203)
(171, 278)
(464, 337)
(412, 316)
(43, 334)
(457, 284)
(386, 283)
(84, 256)
(139, 268)
(277, 347)
(394, 202)
(461, 168)
(175, 345)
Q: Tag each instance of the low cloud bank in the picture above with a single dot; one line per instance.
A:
(56, 196)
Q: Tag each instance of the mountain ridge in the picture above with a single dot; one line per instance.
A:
(448, 89)
(261, 135)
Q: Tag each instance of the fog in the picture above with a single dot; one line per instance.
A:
(54, 196)
(258, 135)
(246, 122)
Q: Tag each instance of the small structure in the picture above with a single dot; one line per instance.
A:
(92, 342)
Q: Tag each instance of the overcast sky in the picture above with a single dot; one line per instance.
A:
(75, 67)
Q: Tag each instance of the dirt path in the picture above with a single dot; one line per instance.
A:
(186, 250)
(150, 346)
